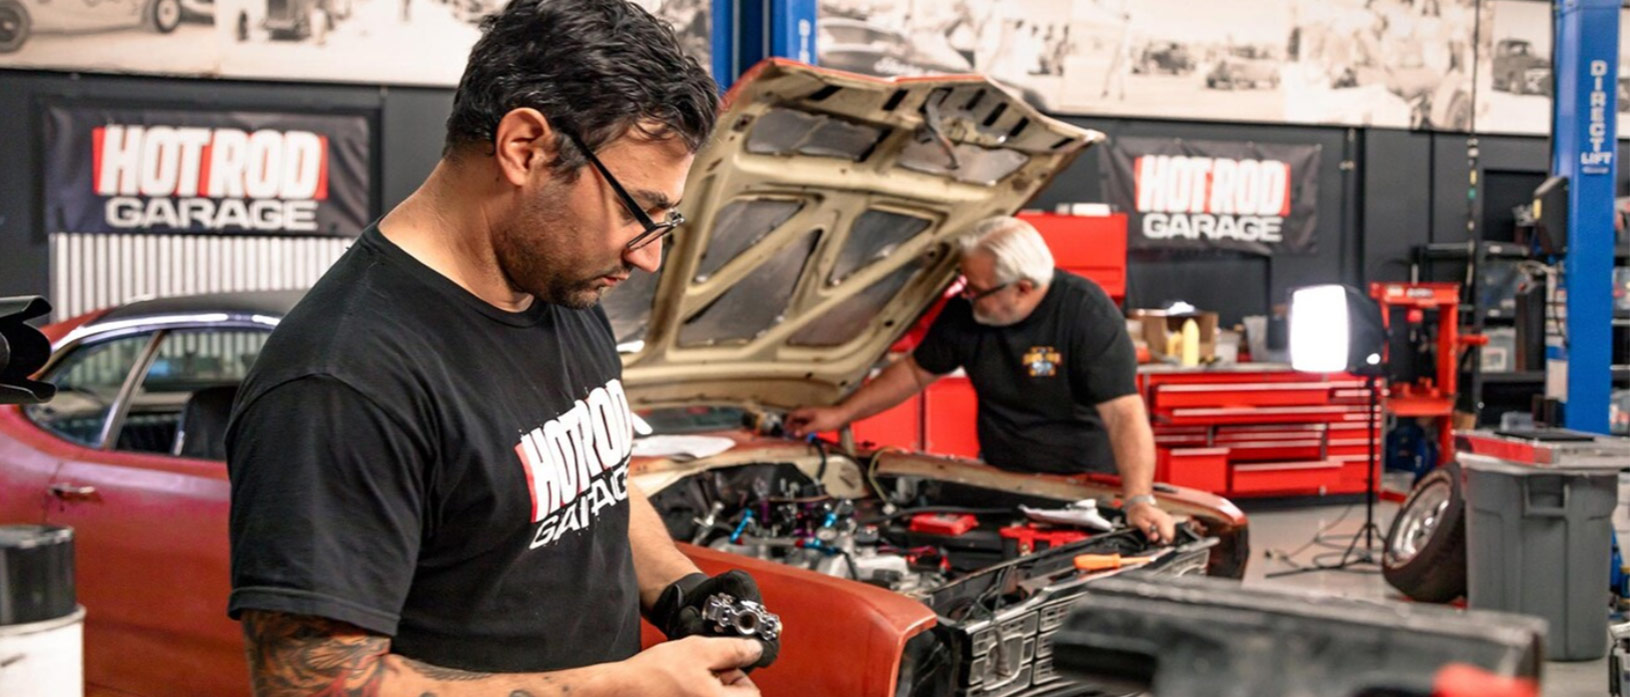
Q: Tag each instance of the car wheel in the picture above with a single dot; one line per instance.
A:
(164, 15)
(15, 25)
(1425, 556)
(1500, 85)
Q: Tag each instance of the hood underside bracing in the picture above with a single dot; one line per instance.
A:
(825, 210)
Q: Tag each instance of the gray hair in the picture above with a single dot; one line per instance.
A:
(1019, 251)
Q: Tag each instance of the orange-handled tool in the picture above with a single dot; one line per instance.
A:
(1105, 562)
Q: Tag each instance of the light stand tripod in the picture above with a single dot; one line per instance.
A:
(1353, 555)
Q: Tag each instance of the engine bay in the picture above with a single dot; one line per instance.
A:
(965, 562)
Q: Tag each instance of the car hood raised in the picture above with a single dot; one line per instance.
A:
(822, 219)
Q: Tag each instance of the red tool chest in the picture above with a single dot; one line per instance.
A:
(1259, 431)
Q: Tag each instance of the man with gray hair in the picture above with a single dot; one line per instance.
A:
(1047, 353)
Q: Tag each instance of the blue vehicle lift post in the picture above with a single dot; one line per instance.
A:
(1583, 149)
(748, 31)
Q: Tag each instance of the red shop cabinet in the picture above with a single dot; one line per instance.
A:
(950, 418)
(1092, 246)
(900, 426)
(1205, 469)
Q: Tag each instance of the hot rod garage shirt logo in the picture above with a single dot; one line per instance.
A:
(222, 172)
(1250, 197)
(577, 464)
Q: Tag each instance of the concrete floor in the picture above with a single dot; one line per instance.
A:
(1285, 528)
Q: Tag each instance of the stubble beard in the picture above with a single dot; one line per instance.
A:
(524, 249)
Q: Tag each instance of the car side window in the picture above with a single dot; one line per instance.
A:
(88, 382)
(182, 403)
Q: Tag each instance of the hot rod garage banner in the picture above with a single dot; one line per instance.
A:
(225, 172)
(1191, 194)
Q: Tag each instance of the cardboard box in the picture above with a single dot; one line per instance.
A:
(1155, 324)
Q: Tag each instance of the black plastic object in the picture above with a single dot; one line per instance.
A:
(23, 351)
(1203, 637)
(36, 573)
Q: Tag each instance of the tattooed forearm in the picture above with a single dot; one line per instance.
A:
(440, 673)
(296, 656)
(299, 656)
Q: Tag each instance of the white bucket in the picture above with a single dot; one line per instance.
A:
(44, 659)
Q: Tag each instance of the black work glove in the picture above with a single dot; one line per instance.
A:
(678, 611)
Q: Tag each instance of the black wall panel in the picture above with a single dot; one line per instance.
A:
(414, 123)
(1396, 201)
(23, 253)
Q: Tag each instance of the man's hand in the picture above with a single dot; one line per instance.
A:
(1156, 524)
(696, 666)
(678, 612)
(807, 420)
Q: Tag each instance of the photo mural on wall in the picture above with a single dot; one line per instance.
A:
(411, 42)
(1387, 63)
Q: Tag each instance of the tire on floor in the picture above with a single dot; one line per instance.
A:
(1425, 555)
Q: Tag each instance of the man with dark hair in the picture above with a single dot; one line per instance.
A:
(429, 460)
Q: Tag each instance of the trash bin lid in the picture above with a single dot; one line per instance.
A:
(1549, 449)
(1580, 467)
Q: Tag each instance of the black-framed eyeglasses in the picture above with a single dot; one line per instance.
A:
(654, 231)
(971, 295)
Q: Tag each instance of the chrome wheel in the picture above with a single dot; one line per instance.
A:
(1418, 521)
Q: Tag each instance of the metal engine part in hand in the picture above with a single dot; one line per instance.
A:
(743, 617)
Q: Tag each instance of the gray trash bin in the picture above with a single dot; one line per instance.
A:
(1539, 542)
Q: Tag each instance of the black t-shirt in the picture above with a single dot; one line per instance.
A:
(408, 458)
(1039, 380)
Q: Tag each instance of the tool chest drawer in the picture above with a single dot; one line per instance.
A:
(1205, 469)
(1262, 394)
(1286, 477)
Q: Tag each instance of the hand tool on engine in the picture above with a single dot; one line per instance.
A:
(1083, 513)
(728, 615)
(1106, 562)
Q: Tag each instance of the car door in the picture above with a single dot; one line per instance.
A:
(149, 510)
(38, 437)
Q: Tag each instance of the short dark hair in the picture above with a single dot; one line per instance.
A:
(595, 67)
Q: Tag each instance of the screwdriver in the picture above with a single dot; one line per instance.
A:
(1105, 562)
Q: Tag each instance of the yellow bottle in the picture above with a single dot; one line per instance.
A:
(1191, 343)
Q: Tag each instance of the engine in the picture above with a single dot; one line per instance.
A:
(933, 553)
(1000, 573)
